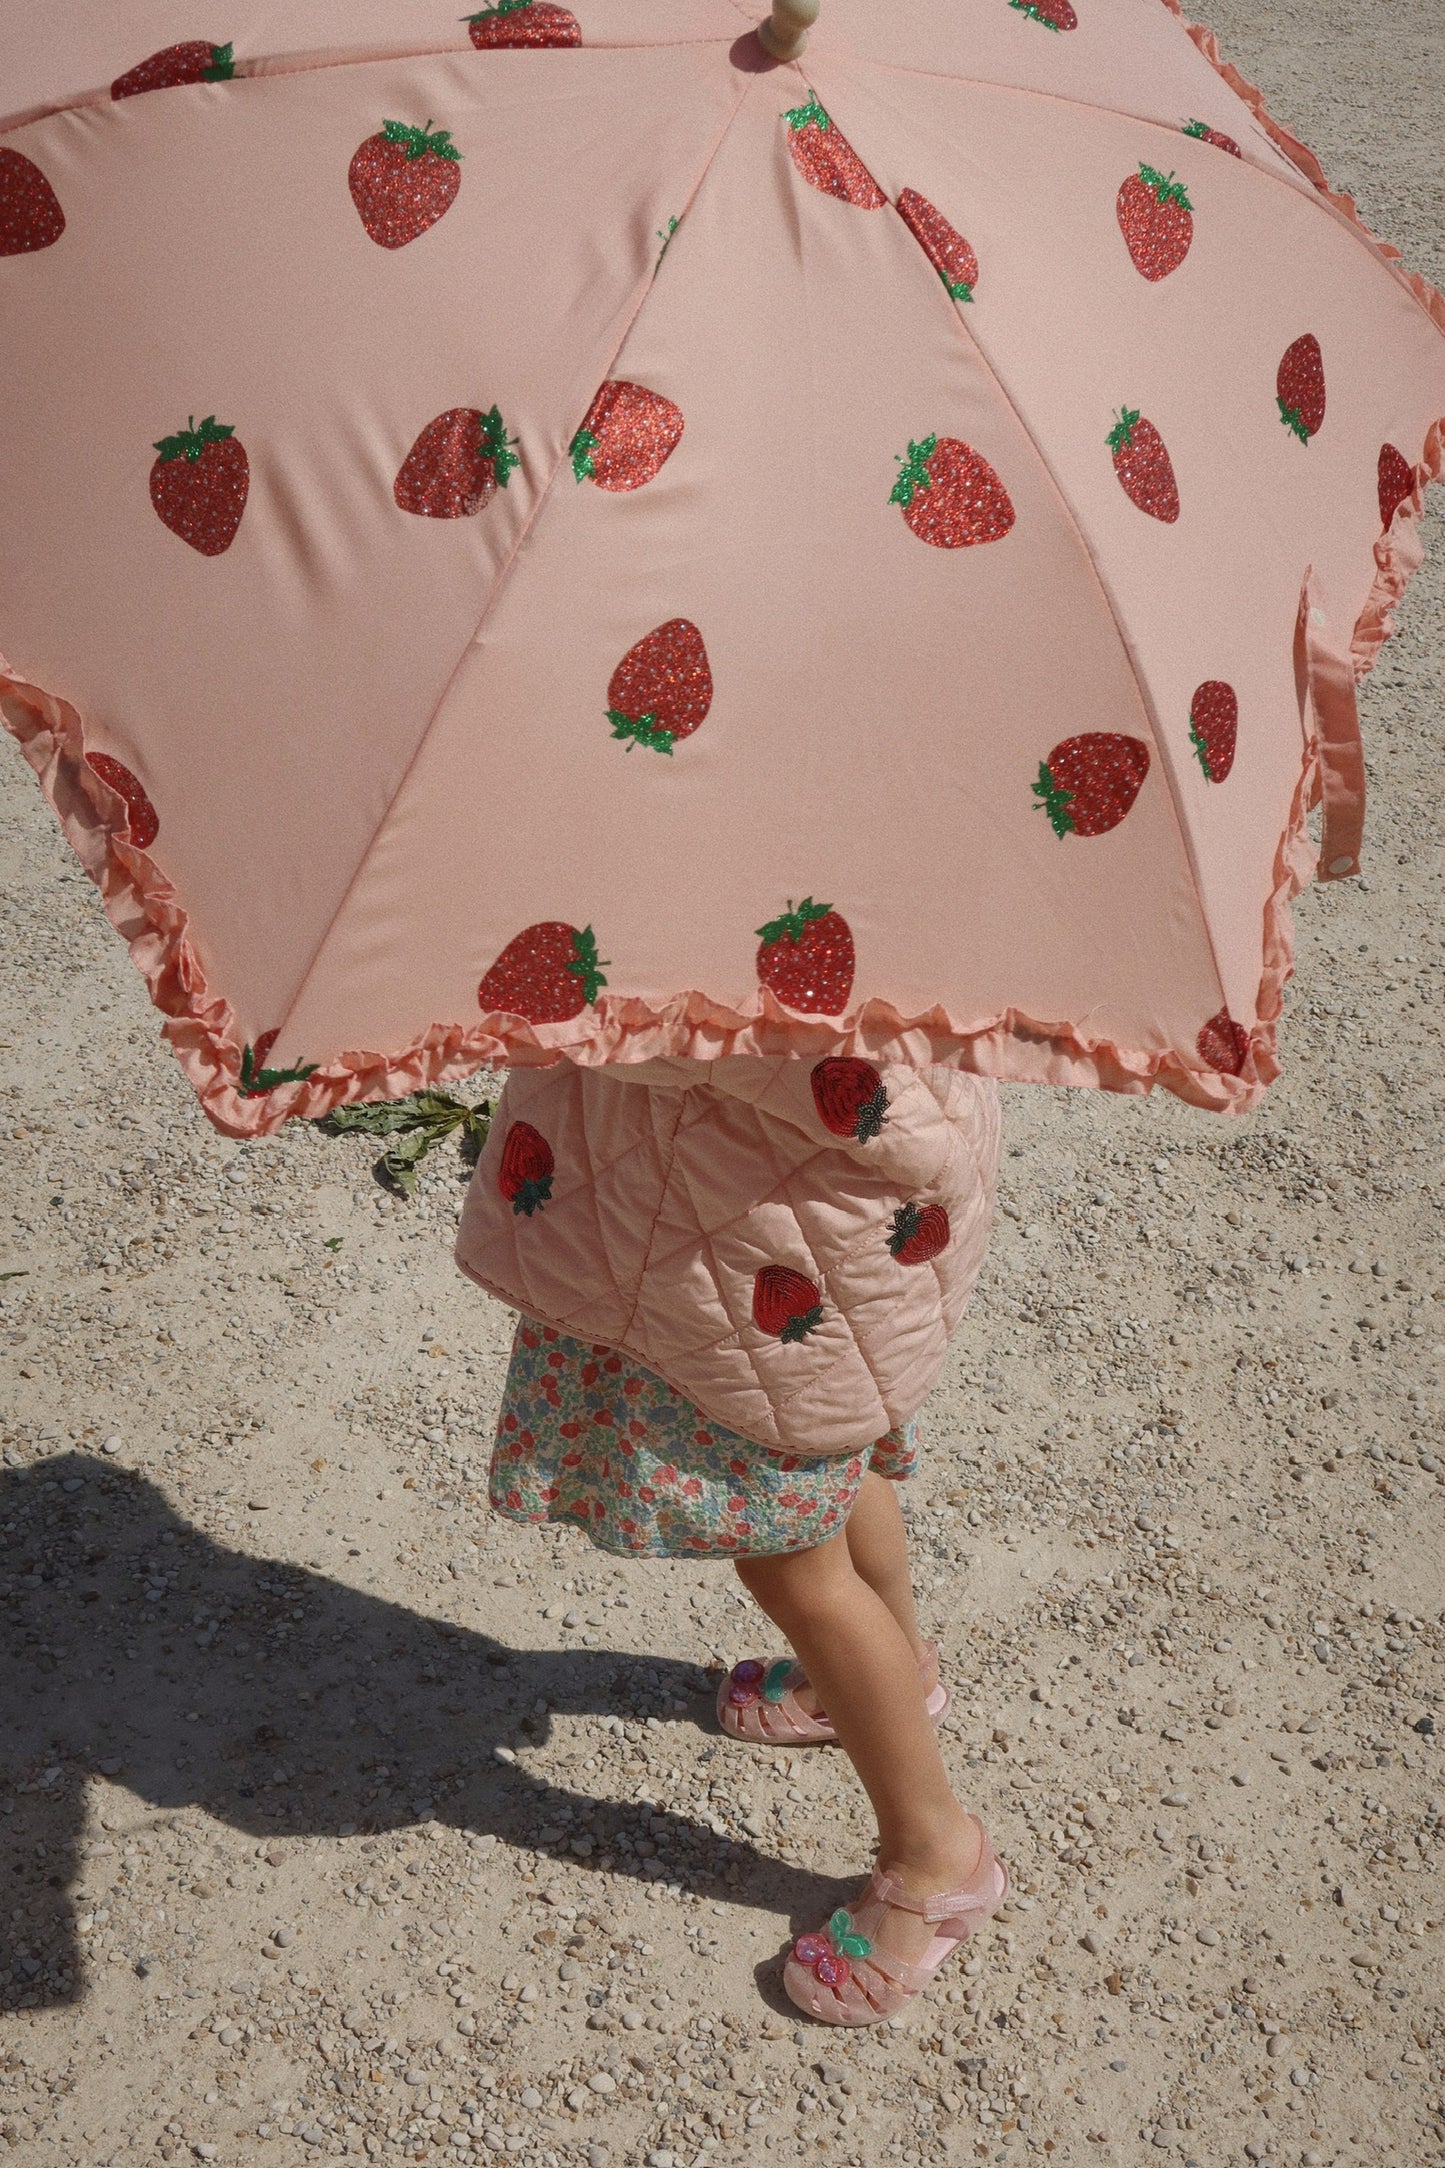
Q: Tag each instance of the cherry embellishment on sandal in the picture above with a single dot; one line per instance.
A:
(743, 1682)
(827, 1954)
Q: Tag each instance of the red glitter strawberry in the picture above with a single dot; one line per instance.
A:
(786, 1304)
(807, 958)
(1143, 465)
(548, 974)
(943, 245)
(1053, 14)
(919, 1233)
(850, 1097)
(402, 180)
(1156, 219)
(194, 61)
(950, 495)
(1224, 1044)
(827, 160)
(199, 484)
(1088, 783)
(143, 820)
(1396, 479)
(456, 465)
(662, 688)
(30, 213)
(525, 1175)
(1203, 133)
(523, 22)
(628, 436)
(1214, 727)
(1301, 387)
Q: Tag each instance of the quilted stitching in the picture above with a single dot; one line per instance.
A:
(677, 1181)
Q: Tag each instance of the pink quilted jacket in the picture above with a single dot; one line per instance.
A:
(789, 1246)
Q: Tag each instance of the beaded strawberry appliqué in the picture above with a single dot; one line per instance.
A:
(827, 1955)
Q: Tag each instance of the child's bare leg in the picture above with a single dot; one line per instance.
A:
(865, 1669)
(878, 1547)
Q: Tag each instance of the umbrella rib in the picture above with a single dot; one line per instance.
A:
(1135, 672)
(497, 587)
(1297, 181)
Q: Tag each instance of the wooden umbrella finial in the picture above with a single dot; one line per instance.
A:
(785, 32)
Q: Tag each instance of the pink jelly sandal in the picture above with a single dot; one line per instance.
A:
(759, 1702)
(840, 1976)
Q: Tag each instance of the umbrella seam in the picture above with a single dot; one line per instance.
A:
(497, 588)
(1146, 702)
(1390, 259)
(97, 100)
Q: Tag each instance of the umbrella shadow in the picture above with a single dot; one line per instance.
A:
(378, 1718)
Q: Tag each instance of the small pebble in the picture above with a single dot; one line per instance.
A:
(531, 2098)
(602, 2081)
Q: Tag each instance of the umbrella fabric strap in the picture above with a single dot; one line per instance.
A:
(1327, 679)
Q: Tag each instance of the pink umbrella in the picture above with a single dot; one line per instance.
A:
(562, 533)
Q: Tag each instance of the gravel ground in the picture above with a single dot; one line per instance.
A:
(342, 1819)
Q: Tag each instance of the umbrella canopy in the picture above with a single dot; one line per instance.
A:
(550, 533)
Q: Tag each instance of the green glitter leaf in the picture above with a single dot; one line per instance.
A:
(914, 474)
(254, 1081)
(1293, 420)
(801, 116)
(584, 444)
(586, 964)
(905, 1227)
(1165, 187)
(222, 65)
(416, 142)
(495, 446)
(1121, 436)
(190, 442)
(799, 1327)
(790, 923)
(664, 238)
(502, 7)
(1202, 750)
(958, 290)
(1197, 128)
(641, 730)
(1027, 7)
(1054, 801)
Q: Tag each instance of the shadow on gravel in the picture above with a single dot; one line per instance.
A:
(359, 1713)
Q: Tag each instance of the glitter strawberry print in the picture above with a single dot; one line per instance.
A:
(1395, 478)
(919, 1233)
(943, 245)
(525, 23)
(807, 958)
(1224, 1044)
(525, 1174)
(1053, 14)
(199, 484)
(787, 1305)
(1156, 219)
(195, 60)
(256, 1078)
(662, 688)
(950, 495)
(1203, 133)
(850, 1097)
(30, 213)
(827, 160)
(628, 436)
(456, 465)
(1088, 783)
(402, 180)
(142, 821)
(1214, 727)
(1300, 388)
(550, 973)
(1143, 465)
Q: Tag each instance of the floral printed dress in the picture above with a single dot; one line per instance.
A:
(587, 1435)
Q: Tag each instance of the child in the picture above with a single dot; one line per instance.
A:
(743, 1275)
